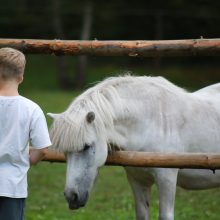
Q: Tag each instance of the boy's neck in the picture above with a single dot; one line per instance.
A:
(9, 88)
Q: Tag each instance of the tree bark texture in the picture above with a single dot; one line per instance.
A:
(193, 47)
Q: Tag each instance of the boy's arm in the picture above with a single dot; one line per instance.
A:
(36, 155)
(39, 137)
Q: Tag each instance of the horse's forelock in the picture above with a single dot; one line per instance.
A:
(67, 135)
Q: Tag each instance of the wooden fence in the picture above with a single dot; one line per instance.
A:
(193, 47)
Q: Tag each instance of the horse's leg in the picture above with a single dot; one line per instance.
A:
(166, 183)
(142, 198)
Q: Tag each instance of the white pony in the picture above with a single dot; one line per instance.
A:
(147, 114)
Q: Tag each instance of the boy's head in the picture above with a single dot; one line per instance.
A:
(12, 64)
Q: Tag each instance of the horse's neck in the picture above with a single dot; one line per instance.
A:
(139, 123)
(117, 136)
(140, 109)
(126, 123)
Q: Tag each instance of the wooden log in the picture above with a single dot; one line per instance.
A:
(144, 159)
(159, 48)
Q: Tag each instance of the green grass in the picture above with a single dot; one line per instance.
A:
(111, 197)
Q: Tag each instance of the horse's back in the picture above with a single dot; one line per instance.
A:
(212, 90)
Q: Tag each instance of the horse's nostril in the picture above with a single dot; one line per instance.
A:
(71, 196)
(74, 197)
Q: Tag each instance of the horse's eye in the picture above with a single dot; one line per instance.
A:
(86, 147)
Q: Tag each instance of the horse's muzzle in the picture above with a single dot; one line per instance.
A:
(74, 200)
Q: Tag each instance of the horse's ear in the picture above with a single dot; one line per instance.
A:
(90, 117)
(53, 115)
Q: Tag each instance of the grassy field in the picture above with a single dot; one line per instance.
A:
(111, 197)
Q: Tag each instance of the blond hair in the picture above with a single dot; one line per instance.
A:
(12, 63)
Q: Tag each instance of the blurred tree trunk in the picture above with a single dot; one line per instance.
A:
(63, 77)
(158, 33)
(80, 79)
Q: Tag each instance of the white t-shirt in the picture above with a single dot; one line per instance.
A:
(21, 121)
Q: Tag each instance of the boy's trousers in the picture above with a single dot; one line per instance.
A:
(12, 208)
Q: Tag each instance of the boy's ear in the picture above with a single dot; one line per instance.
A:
(53, 115)
(20, 79)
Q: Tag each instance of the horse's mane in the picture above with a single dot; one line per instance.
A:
(70, 131)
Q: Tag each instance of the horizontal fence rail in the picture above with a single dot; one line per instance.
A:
(144, 159)
(157, 48)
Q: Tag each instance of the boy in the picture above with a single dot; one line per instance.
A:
(21, 121)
